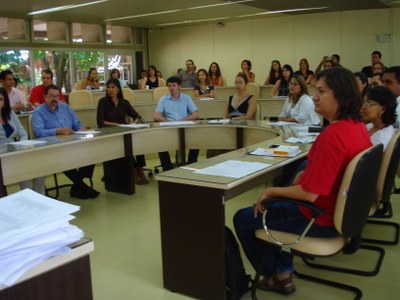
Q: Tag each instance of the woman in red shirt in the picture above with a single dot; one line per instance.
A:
(338, 100)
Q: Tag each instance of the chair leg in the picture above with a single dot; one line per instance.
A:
(385, 212)
(375, 271)
(395, 240)
(339, 285)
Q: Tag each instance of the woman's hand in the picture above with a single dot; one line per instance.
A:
(259, 208)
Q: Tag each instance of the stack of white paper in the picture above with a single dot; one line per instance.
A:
(33, 228)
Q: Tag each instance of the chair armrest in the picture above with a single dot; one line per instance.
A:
(267, 203)
(315, 211)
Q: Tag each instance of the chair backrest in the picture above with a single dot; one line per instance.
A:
(31, 133)
(128, 95)
(357, 190)
(78, 85)
(387, 172)
(161, 82)
(258, 114)
(80, 98)
(159, 92)
(253, 89)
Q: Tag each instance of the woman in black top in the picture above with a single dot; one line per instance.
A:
(113, 110)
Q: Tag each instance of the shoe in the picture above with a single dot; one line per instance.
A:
(77, 192)
(90, 192)
(284, 286)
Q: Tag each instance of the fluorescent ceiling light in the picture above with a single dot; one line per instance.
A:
(192, 21)
(242, 16)
(281, 11)
(64, 7)
(175, 10)
(218, 4)
(143, 15)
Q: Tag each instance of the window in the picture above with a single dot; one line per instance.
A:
(84, 60)
(18, 62)
(12, 29)
(123, 63)
(57, 62)
(49, 31)
(118, 34)
(86, 33)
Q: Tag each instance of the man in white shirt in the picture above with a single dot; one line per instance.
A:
(17, 98)
(391, 80)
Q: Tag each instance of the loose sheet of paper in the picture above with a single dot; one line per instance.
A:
(135, 125)
(28, 142)
(233, 169)
(177, 123)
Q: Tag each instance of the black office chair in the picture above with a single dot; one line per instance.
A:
(351, 212)
(381, 207)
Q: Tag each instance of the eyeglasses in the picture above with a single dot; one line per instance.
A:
(369, 102)
(53, 97)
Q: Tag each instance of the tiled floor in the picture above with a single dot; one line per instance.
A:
(126, 263)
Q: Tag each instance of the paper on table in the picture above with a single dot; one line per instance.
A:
(280, 151)
(87, 132)
(28, 142)
(221, 121)
(304, 140)
(206, 98)
(135, 125)
(28, 208)
(177, 123)
(280, 123)
(233, 168)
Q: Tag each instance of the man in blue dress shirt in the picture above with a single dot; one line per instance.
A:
(57, 118)
(176, 106)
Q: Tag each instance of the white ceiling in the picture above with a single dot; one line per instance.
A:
(186, 11)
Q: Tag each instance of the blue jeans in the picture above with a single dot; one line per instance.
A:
(283, 217)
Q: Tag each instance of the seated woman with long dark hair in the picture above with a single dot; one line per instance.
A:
(113, 110)
(10, 129)
(337, 99)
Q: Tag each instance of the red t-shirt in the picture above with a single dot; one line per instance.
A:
(37, 95)
(327, 161)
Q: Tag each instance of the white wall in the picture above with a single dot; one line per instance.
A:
(352, 35)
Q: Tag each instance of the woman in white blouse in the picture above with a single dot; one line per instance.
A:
(12, 129)
(299, 107)
(379, 112)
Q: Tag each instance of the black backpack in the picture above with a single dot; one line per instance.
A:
(238, 282)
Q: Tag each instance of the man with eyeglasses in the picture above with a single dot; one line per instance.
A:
(37, 94)
(56, 118)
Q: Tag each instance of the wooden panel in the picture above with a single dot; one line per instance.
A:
(187, 91)
(155, 140)
(253, 136)
(271, 107)
(211, 109)
(210, 137)
(146, 110)
(43, 161)
(87, 116)
(265, 91)
(223, 92)
(143, 96)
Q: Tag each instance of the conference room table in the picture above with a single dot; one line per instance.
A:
(119, 144)
(192, 215)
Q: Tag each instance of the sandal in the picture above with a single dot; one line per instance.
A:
(136, 175)
(284, 286)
